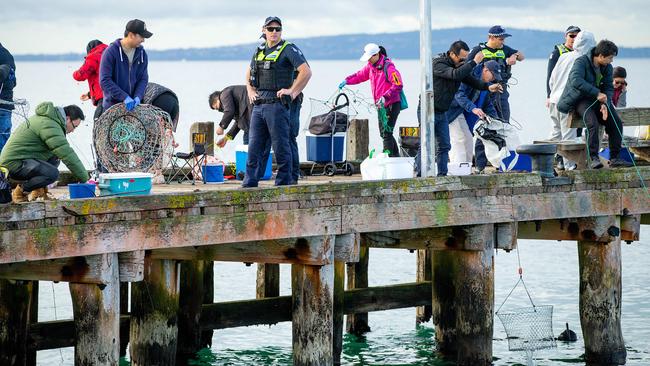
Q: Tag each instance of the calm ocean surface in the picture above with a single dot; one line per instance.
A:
(550, 268)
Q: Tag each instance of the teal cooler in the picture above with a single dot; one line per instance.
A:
(319, 147)
(241, 156)
(125, 184)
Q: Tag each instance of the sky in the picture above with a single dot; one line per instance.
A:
(62, 26)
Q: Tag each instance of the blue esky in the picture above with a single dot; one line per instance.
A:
(35, 26)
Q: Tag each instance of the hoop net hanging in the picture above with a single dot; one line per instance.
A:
(133, 141)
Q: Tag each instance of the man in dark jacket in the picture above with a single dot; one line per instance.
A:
(233, 102)
(7, 85)
(569, 38)
(449, 71)
(589, 93)
(123, 72)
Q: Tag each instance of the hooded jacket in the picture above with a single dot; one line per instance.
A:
(7, 77)
(118, 79)
(583, 83)
(447, 78)
(583, 43)
(381, 85)
(90, 71)
(42, 137)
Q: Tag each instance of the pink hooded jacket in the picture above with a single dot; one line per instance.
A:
(389, 89)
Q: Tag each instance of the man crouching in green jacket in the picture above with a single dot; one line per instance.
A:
(36, 147)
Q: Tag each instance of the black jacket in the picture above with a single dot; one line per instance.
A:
(447, 79)
(582, 83)
(7, 68)
(235, 105)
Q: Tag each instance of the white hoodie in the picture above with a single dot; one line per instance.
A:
(584, 42)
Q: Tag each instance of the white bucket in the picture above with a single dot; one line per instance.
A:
(387, 168)
(463, 168)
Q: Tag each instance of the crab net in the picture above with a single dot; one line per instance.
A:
(20, 111)
(133, 141)
(529, 329)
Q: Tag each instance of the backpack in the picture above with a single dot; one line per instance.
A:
(5, 187)
(402, 97)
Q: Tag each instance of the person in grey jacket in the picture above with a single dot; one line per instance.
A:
(233, 102)
(589, 93)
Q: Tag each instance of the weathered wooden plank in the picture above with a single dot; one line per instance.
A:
(356, 148)
(97, 318)
(634, 116)
(23, 212)
(154, 315)
(247, 312)
(131, 266)
(346, 247)
(57, 242)
(312, 289)
(568, 205)
(15, 305)
(189, 310)
(506, 236)
(439, 213)
(437, 238)
(423, 274)
(208, 298)
(357, 278)
(268, 280)
(635, 201)
(339, 312)
(311, 250)
(598, 229)
(405, 295)
(600, 302)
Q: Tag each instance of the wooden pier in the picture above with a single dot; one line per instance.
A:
(165, 245)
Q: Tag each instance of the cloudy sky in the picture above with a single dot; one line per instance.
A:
(60, 26)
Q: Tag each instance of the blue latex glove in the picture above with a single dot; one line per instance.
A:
(343, 84)
(137, 101)
(129, 103)
(12, 75)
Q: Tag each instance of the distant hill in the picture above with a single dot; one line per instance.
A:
(404, 45)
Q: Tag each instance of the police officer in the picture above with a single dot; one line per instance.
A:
(495, 49)
(277, 75)
(560, 49)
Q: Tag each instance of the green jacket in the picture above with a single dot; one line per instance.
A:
(42, 137)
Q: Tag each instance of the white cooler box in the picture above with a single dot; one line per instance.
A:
(464, 168)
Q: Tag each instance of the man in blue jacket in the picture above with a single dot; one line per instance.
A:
(468, 106)
(7, 84)
(123, 71)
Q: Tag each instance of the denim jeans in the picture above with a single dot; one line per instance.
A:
(443, 144)
(294, 125)
(269, 122)
(5, 127)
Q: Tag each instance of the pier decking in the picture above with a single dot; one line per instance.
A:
(456, 223)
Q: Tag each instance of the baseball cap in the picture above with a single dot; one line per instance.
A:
(368, 51)
(494, 68)
(270, 20)
(498, 31)
(137, 26)
(572, 29)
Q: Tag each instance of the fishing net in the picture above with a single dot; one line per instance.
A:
(20, 113)
(133, 141)
(529, 329)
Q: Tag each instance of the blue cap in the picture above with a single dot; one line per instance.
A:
(494, 68)
(498, 31)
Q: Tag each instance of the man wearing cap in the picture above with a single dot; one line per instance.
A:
(123, 70)
(569, 38)
(495, 49)
(277, 75)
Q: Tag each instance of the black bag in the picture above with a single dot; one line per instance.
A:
(322, 124)
(5, 187)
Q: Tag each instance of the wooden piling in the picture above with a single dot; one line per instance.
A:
(189, 310)
(339, 303)
(601, 298)
(312, 313)
(154, 309)
(357, 324)
(15, 309)
(463, 296)
(357, 140)
(208, 298)
(423, 273)
(268, 280)
(96, 310)
(124, 310)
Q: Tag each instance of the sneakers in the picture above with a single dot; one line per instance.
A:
(619, 163)
(17, 195)
(595, 164)
(559, 162)
(40, 193)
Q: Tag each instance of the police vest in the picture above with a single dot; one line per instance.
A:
(562, 48)
(268, 74)
(500, 57)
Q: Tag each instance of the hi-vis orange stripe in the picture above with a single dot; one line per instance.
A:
(396, 79)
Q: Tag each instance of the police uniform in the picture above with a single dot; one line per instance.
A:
(558, 51)
(272, 69)
(500, 100)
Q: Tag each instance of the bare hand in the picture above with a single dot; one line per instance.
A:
(512, 60)
(479, 57)
(548, 102)
(479, 112)
(252, 94)
(219, 131)
(495, 88)
(602, 97)
(603, 110)
(222, 142)
(288, 92)
(84, 97)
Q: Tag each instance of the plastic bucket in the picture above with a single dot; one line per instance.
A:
(81, 190)
(125, 184)
(241, 156)
(379, 168)
(213, 173)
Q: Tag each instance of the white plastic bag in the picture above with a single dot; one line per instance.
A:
(494, 153)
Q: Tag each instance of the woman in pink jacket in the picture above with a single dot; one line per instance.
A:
(386, 85)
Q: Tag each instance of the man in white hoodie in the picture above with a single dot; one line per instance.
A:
(560, 131)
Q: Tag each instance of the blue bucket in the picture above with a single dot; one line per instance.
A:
(241, 156)
(213, 173)
(81, 190)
